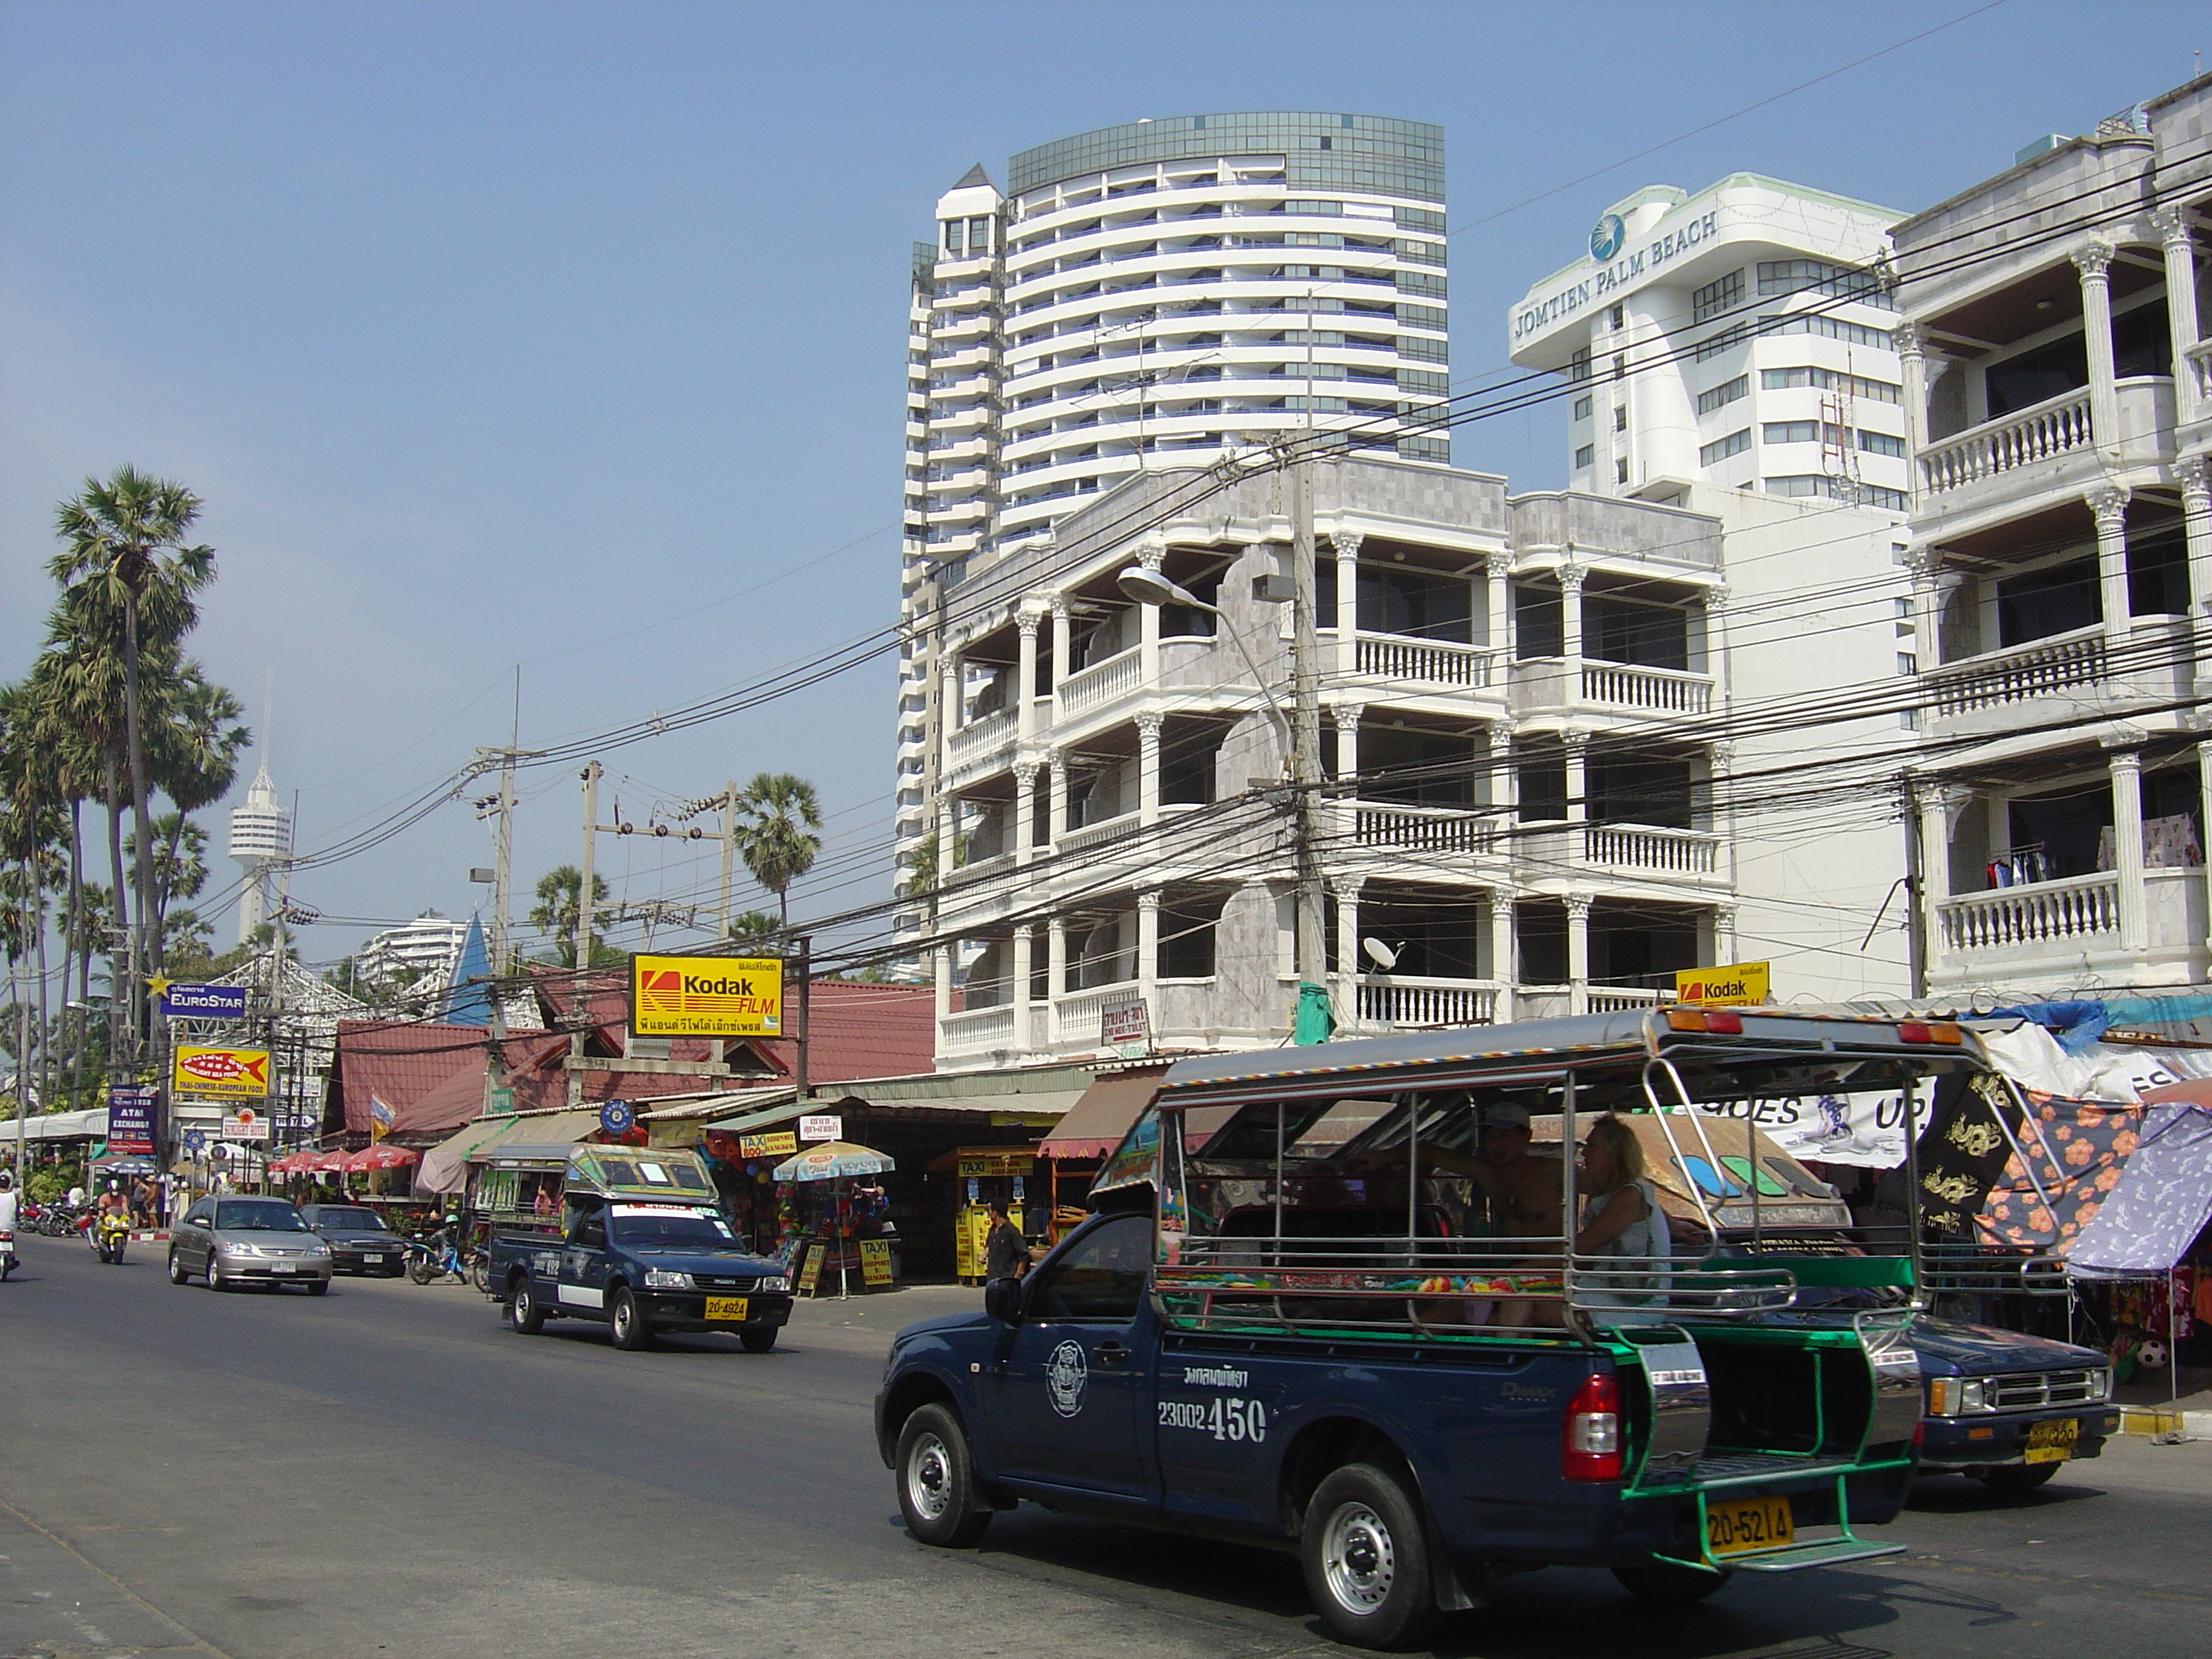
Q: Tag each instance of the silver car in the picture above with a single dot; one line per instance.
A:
(233, 1240)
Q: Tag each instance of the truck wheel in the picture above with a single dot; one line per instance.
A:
(937, 1480)
(1668, 1584)
(631, 1332)
(1367, 1557)
(2017, 1479)
(523, 1312)
(758, 1341)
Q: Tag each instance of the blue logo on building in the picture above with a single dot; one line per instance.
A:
(1606, 239)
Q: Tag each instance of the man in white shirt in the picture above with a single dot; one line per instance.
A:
(8, 1204)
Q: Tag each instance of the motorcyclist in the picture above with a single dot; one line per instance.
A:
(8, 1211)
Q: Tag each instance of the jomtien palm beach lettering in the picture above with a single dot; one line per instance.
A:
(1618, 274)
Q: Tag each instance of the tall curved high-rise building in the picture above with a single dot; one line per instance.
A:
(1156, 295)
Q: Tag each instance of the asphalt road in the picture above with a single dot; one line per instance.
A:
(388, 1470)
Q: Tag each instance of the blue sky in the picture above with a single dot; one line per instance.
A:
(496, 333)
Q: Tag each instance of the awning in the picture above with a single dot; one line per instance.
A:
(1101, 1115)
(2162, 1202)
(90, 1124)
(445, 1166)
(767, 1117)
(539, 1143)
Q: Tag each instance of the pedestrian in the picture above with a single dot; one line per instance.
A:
(1006, 1252)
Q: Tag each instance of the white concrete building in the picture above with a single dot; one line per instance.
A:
(2059, 387)
(1155, 294)
(421, 950)
(1730, 352)
(260, 842)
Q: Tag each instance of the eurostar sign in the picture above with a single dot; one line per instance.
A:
(705, 996)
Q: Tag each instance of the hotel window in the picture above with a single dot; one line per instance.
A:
(1715, 344)
(1716, 297)
(1582, 408)
(1721, 448)
(1881, 443)
(1778, 277)
(1722, 396)
(1621, 471)
(1578, 365)
(1789, 432)
(1618, 317)
(1619, 366)
(1829, 379)
(1620, 417)
(1586, 456)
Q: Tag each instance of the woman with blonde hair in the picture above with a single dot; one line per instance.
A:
(1621, 1218)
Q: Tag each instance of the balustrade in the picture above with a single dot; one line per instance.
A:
(2076, 907)
(2054, 427)
(1661, 852)
(1100, 683)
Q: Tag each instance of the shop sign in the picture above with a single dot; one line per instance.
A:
(226, 1073)
(204, 1002)
(997, 1164)
(809, 1271)
(499, 1102)
(131, 1118)
(1731, 985)
(782, 1143)
(1126, 1029)
(1613, 272)
(875, 1261)
(821, 1126)
(705, 996)
(246, 1123)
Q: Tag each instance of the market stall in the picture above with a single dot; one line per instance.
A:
(842, 1233)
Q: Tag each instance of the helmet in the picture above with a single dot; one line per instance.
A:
(452, 1215)
(114, 1186)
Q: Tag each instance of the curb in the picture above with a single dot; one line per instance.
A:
(2152, 1423)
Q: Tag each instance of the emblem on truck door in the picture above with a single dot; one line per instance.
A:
(1066, 1375)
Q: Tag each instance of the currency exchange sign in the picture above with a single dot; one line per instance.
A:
(131, 1118)
(705, 996)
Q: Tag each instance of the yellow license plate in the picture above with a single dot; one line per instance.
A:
(726, 1307)
(1747, 1523)
(2051, 1442)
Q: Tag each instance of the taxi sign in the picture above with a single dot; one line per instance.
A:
(226, 1073)
(1732, 985)
(705, 996)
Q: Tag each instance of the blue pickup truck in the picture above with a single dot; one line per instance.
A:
(1295, 1320)
(642, 1249)
(2008, 1409)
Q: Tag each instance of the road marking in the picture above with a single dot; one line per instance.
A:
(90, 1565)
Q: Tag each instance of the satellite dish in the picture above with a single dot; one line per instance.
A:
(1379, 953)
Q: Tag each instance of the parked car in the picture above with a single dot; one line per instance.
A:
(361, 1242)
(2008, 1409)
(231, 1241)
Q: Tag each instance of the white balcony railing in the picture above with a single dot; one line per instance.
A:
(2054, 427)
(1616, 999)
(1097, 834)
(975, 1031)
(1659, 691)
(2076, 907)
(1395, 1000)
(977, 740)
(1076, 1016)
(1424, 829)
(1100, 683)
(1428, 662)
(2034, 669)
(2199, 358)
(1652, 851)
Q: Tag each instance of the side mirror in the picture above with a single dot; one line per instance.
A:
(1002, 1300)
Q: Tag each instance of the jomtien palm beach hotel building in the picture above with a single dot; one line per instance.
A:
(1525, 696)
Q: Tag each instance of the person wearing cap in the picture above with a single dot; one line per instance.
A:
(1523, 1187)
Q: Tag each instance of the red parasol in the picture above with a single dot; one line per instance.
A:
(381, 1158)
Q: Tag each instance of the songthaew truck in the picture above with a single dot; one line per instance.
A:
(1312, 1311)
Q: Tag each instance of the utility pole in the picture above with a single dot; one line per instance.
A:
(580, 1016)
(1305, 748)
(729, 853)
(806, 1015)
(1916, 915)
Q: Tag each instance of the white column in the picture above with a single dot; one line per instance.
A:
(1925, 562)
(1578, 909)
(1577, 747)
(2176, 239)
(2092, 260)
(2204, 802)
(943, 967)
(1024, 812)
(1347, 771)
(953, 695)
(1062, 643)
(1714, 602)
(1505, 782)
(1571, 616)
(1020, 990)
(2109, 503)
(2194, 477)
(1496, 569)
(1351, 961)
(1935, 865)
(1724, 935)
(1055, 971)
(1347, 542)
(1056, 810)
(1150, 554)
(1148, 951)
(1720, 806)
(2126, 768)
(1502, 952)
(1025, 677)
(1148, 766)
(1911, 353)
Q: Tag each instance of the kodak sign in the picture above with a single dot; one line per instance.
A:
(223, 1073)
(705, 996)
(1737, 984)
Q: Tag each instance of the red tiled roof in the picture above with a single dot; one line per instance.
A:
(397, 1062)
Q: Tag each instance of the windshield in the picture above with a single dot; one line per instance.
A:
(349, 1221)
(251, 1216)
(671, 1230)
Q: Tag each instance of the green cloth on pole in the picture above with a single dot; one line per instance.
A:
(1314, 1020)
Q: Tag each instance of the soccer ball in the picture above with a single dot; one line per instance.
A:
(2152, 1355)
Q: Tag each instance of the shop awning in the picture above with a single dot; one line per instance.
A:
(1101, 1115)
(767, 1117)
(539, 1143)
(2162, 1202)
(445, 1167)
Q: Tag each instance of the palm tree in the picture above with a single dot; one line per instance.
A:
(128, 575)
(752, 926)
(778, 816)
(554, 912)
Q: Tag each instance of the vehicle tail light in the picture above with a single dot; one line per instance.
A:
(1590, 1445)
(1726, 1021)
(1919, 1030)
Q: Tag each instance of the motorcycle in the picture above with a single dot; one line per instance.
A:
(108, 1234)
(431, 1259)
(7, 1256)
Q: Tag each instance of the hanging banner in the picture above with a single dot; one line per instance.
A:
(222, 1073)
(705, 996)
(1865, 1130)
(782, 1143)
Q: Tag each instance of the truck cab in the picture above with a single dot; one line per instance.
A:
(1288, 1322)
(643, 1248)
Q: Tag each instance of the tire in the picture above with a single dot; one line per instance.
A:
(631, 1332)
(523, 1313)
(318, 1287)
(1365, 1551)
(2017, 1480)
(177, 1273)
(480, 1273)
(421, 1269)
(1667, 1584)
(758, 1341)
(937, 1480)
(214, 1278)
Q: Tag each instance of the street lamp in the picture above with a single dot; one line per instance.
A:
(1149, 586)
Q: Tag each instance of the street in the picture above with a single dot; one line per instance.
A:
(389, 1470)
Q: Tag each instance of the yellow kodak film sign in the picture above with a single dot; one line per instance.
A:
(224, 1073)
(1732, 985)
(705, 996)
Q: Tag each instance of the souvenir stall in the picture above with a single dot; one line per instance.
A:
(840, 1212)
(1007, 1175)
